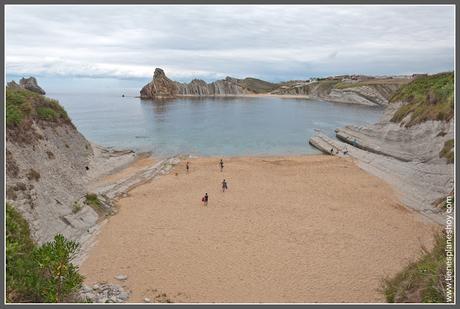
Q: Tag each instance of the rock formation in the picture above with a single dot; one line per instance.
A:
(31, 84)
(160, 87)
(369, 91)
(48, 166)
(373, 94)
(27, 83)
(411, 158)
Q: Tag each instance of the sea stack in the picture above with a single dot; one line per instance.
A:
(160, 87)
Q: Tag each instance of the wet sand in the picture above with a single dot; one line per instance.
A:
(289, 229)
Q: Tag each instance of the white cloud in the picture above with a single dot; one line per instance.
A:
(271, 42)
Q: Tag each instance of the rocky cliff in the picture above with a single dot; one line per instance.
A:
(162, 87)
(48, 166)
(372, 92)
(412, 144)
(369, 91)
(28, 84)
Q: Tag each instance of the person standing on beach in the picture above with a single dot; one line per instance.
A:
(221, 163)
(187, 166)
(224, 186)
(205, 199)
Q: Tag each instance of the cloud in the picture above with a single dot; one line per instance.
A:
(271, 42)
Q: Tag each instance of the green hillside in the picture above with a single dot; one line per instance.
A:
(426, 98)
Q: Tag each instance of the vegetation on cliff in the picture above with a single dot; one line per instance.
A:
(257, 85)
(38, 273)
(448, 151)
(22, 104)
(426, 98)
(423, 281)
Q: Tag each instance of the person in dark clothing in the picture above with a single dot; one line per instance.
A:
(224, 186)
(187, 166)
(205, 199)
(332, 151)
(221, 163)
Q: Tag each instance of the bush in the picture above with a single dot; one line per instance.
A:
(55, 277)
(93, 200)
(38, 274)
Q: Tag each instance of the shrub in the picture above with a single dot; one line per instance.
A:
(55, 277)
(93, 200)
(38, 274)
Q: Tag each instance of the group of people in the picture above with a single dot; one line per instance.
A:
(205, 198)
(345, 152)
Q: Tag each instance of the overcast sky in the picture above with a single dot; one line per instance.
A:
(269, 42)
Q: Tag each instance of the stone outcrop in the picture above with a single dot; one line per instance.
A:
(227, 86)
(160, 87)
(407, 157)
(30, 84)
(49, 165)
(376, 94)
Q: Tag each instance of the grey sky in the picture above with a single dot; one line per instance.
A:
(270, 42)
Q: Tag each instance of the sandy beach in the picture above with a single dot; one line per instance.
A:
(289, 229)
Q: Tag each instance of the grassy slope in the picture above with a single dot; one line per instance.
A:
(427, 98)
(422, 281)
(19, 246)
(257, 85)
(23, 104)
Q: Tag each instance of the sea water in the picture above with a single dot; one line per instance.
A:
(230, 126)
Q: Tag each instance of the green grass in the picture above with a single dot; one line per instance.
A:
(93, 201)
(22, 104)
(38, 273)
(257, 85)
(448, 151)
(421, 281)
(426, 98)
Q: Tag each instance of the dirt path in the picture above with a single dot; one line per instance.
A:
(289, 229)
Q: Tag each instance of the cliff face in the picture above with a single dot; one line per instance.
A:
(412, 144)
(376, 92)
(371, 91)
(48, 166)
(163, 87)
(159, 87)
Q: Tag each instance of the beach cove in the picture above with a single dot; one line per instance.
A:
(289, 229)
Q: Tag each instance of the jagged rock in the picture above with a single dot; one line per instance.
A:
(31, 84)
(160, 87)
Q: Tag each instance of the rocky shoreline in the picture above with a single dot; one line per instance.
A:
(365, 91)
